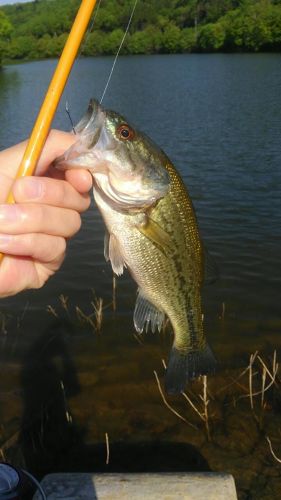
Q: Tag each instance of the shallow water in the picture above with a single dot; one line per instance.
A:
(218, 117)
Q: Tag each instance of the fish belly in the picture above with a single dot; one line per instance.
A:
(165, 280)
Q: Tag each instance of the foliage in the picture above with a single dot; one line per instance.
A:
(147, 41)
(5, 32)
(38, 29)
(212, 36)
(250, 31)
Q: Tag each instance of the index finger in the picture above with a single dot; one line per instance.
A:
(56, 143)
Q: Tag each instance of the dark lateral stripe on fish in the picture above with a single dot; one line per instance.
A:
(193, 331)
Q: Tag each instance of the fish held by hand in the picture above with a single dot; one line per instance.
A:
(151, 229)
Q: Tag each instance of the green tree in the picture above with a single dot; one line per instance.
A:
(5, 26)
(5, 32)
(111, 41)
(145, 42)
(44, 46)
(140, 43)
(167, 26)
(93, 44)
(248, 28)
(188, 40)
(171, 39)
(21, 47)
(274, 25)
(211, 36)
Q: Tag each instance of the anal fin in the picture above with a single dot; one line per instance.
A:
(146, 313)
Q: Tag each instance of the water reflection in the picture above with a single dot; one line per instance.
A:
(9, 80)
(50, 438)
(49, 380)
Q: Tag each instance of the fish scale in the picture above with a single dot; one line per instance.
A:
(170, 282)
(152, 230)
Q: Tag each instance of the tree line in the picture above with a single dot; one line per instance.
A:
(38, 29)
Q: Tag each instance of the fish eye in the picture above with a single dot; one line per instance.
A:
(124, 132)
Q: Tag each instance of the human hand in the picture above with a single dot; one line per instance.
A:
(34, 231)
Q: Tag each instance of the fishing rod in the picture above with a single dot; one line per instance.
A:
(50, 103)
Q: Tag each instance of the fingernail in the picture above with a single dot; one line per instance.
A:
(8, 213)
(5, 239)
(32, 188)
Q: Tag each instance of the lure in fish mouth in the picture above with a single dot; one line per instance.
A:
(116, 155)
(151, 229)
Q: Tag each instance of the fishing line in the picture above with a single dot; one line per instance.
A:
(115, 58)
(69, 116)
(118, 51)
(78, 57)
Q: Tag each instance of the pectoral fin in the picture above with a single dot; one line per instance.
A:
(157, 235)
(146, 313)
(112, 252)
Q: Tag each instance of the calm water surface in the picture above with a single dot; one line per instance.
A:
(218, 117)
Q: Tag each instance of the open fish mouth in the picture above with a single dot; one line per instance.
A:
(88, 132)
(92, 122)
(123, 171)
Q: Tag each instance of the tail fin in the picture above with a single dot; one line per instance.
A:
(183, 367)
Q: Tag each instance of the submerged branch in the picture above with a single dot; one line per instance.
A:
(169, 406)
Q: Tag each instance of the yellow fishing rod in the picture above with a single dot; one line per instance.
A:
(50, 103)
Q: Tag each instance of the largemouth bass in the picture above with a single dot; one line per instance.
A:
(151, 229)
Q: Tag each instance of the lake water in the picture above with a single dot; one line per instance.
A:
(218, 117)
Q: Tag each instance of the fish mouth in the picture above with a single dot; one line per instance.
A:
(88, 132)
(92, 124)
(96, 150)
